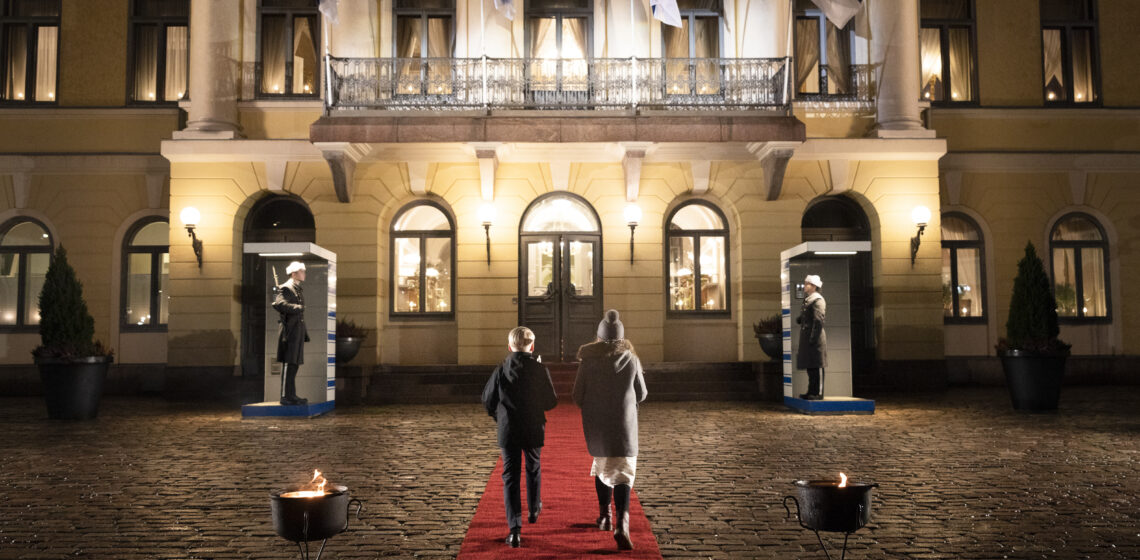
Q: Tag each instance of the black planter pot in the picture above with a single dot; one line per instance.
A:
(72, 389)
(771, 344)
(1034, 380)
(346, 348)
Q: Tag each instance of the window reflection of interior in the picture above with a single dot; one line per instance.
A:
(962, 248)
(148, 251)
(424, 66)
(540, 275)
(691, 66)
(1078, 268)
(697, 262)
(31, 241)
(582, 268)
(560, 53)
(422, 261)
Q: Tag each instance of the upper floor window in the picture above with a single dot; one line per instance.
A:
(696, 242)
(963, 268)
(425, 43)
(1069, 47)
(947, 50)
(160, 39)
(1080, 259)
(692, 50)
(25, 253)
(146, 275)
(29, 41)
(558, 38)
(290, 32)
(823, 53)
(422, 260)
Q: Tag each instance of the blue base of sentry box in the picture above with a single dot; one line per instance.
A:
(278, 410)
(831, 405)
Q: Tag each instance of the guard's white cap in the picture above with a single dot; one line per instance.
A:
(294, 267)
(814, 279)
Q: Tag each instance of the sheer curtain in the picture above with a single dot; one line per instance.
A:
(708, 51)
(573, 54)
(16, 67)
(961, 65)
(146, 63)
(273, 54)
(440, 46)
(807, 55)
(177, 38)
(1092, 282)
(304, 56)
(677, 57)
(544, 48)
(409, 51)
(1082, 66)
(931, 46)
(1054, 79)
(838, 60)
(47, 47)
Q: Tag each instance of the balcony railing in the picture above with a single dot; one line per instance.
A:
(595, 84)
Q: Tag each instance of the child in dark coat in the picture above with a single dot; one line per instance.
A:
(517, 396)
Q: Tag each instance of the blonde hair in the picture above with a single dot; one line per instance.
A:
(520, 339)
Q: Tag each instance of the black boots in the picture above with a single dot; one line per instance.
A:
(605, 494)
(621, 528)
(513, 539)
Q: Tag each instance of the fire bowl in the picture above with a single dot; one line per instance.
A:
(823, 505)
(311, 518)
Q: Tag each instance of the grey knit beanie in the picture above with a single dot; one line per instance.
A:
(611, 328)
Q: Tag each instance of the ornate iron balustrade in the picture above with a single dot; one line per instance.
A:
(597, 84)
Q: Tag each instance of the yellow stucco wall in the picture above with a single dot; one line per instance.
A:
(93, 40)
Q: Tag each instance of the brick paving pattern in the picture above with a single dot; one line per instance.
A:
(961, 475)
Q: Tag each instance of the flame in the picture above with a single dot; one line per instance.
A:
(322, 482)
(842, 480)
(318, 480)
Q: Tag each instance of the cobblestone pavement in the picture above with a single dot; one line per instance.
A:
(961, 475)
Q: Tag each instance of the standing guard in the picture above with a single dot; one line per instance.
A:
(290, 303)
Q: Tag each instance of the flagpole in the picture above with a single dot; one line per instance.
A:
(788, 53)
(633, 54)
(328, 65)
(483, 47)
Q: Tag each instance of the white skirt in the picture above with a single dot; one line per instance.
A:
(614, 470)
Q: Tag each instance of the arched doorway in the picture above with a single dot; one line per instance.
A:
(839, 218)
(560, 274)
(274, 218)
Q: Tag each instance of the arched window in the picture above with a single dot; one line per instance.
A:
(696, 243)
(146, 275)
(963, 269)
(1080, 258)
(422, 258)
(835, 218)
(25, 253)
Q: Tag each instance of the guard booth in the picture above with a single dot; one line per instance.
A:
(316, 378)
(832, 261)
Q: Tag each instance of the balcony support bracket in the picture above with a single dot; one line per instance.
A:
(631, 164)
(774, 157)
(342, 158)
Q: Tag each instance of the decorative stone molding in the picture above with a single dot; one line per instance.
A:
(21, 184)
(487, 153)
(1078, 185)
(154, 182)
(841, 177)
(560, 174)
(275, 173)
(702, 169)
(631, 164)
(774, 157)
(342, 158)
(417, 177)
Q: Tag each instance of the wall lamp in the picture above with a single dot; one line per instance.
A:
(921, 216)
(487, 216)
(632, 218)
(190, 218)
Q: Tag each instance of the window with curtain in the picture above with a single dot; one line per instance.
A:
(963, 269)
(146, 276)
(1080, 260)
(29, 41)
(422, 262)
(558, 41)
(823, 53)
(288, 48)
(1068, 52)
(25, 253)
(425, 44)
(696, 246)
(692, 50)
(160, 43)
(946, 44)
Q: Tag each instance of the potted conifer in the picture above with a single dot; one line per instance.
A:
(72, 364)
(1032, 356)
(768, 332)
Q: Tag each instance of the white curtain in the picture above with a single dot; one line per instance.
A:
(931, 47)
(47, 42)
(961, 65)
(1082, 67)
(544, 49)
(1054, 78)
(838, 60)
(441, 45)
(707, 47)
(304, 56)
(408, 48)
(1092, 276)
(17, 64)
(146, 63)
(273, 54)
(807, 55)
(177, 39)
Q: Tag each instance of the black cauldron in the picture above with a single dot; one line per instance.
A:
(824, 506)
(311, 519)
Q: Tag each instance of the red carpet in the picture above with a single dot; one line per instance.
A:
(565, 528)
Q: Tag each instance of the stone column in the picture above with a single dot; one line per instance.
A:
(215, 70)
(895, 56)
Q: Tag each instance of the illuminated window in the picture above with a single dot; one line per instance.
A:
(823, 53)
(1069, 46)
(696, 245)
(947, 50)
(692, 51)
(287, 48)
(146, 276)
(160, 41)
(1080, 262)
(25, 253)
(425, 43)
(558, 38)
(422, 261)
(963, 269)
(29, 39)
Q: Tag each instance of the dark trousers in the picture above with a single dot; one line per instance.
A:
(512, 465)
(815, 381)
(289, 380)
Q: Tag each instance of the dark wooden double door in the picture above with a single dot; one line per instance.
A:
(560, 291)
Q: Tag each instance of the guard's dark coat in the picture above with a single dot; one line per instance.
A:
(290, 303)
(609, 385)
(517, 396)
(812, 352)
